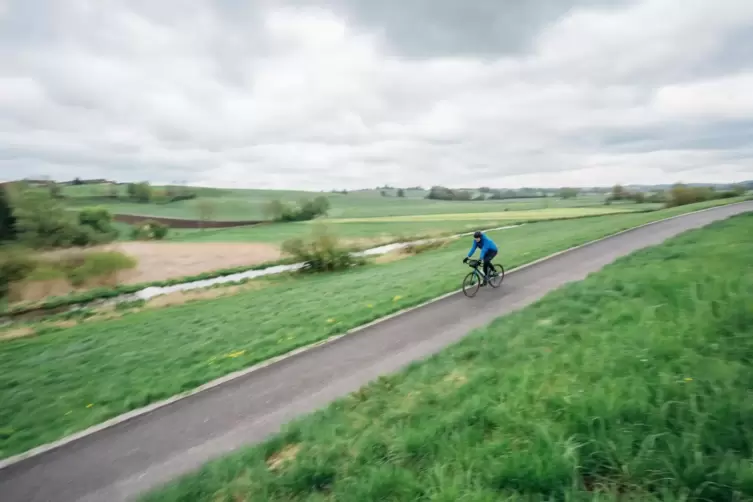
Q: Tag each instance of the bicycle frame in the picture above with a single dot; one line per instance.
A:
(474, 264)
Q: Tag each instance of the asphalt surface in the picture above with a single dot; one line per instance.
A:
(119, 463)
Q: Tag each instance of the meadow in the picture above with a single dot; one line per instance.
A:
(632, 385)
(97, 369)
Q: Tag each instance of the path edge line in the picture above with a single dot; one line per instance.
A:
(47, 447)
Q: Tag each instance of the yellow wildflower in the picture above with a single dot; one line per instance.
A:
(398, 297)
(330, 321)
(89, 405)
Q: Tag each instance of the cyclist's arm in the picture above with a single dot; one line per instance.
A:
(473, 249)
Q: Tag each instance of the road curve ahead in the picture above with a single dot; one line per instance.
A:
(118, 463)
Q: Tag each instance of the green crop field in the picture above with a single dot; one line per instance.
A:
(509, 215)
(67, 379)
(390, 228)
(632, 385)
(276, 233)
(237, 204)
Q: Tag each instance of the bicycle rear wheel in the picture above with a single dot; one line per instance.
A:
(497, 276)
(471, 284)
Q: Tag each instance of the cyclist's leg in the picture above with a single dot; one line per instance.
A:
(488, 267)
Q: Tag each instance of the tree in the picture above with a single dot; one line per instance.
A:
(310, 209)
(55, 190)
(568, 193)
(274, 210)
(639, 197)
(440, 193)
(7, 221)
(97, 218)
(462, 195)
(400, 192)
(149, 230)
(307, 209)
(738, 189)
(618, 192)
(680, 195)
(206, 210)
(141, 192)
(42, 222)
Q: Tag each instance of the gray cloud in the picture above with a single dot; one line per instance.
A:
(350, 93)
(438, 28)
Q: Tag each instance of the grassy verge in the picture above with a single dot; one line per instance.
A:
(52, 386)
(632, 385)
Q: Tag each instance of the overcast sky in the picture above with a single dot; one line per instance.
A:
(358, 93)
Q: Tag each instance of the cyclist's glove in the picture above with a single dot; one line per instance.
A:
(465, 260)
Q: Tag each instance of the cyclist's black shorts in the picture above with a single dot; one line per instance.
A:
(490, 256)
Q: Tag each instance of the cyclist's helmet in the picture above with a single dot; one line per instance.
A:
(476, 234)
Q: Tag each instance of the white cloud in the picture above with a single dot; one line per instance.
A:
(277, 96)
(729, 97)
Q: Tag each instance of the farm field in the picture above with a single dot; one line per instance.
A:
(632, 385)
(98, 369)
(392, 227)
(249, 204)
(507, 215)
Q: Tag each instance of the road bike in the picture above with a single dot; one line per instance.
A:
(475, 278)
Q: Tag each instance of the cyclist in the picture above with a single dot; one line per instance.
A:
(488, 252)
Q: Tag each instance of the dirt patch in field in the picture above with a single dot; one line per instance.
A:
(367, 242)
(65, 324)
(181, 297)
(390, 257)
(284, 456)
(456, 378)
(19, 332)
(159, 261)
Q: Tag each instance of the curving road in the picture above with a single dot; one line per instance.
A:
(118, 463)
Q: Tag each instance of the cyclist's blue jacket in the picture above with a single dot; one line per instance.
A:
(486, 245)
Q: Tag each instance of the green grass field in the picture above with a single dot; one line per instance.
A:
(391, 228)
(68, 379)
(277, 233)
(400, 227)
(633, 385)
(237, 204)
(507, 215)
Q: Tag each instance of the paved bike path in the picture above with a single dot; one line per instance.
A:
(118, 463)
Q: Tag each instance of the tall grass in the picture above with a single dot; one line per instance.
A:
(632, 385)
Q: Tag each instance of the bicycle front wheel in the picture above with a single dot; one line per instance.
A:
(471, 284)
(496, 279)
